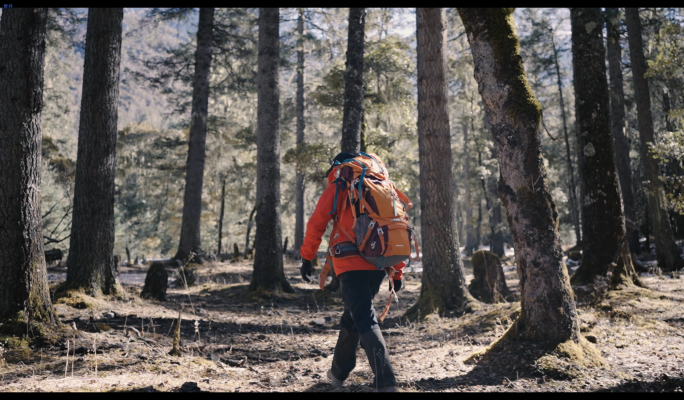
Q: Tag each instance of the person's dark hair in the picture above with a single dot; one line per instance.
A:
(339, 159)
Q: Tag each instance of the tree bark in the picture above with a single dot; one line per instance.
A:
(603, 229)
(548, 315)
(301, 125)
(220, 222)
(353, 83)
(268, 273)
(667, 253)
(443, 281)
(24, 283)
(194, 175)
(617, 112)
(92, 226)
(572, 187)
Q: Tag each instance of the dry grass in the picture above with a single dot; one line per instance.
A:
(229, 344)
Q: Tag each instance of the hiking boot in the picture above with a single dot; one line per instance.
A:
(388, 389)
(336, 383)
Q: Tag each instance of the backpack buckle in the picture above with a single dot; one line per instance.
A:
(380, 231)
(372, 224)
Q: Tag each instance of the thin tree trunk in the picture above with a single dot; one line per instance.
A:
(249, 227)
(353, 82)
(220, 222)
(92, 226)
(301, 125)
(443, 281)
(470, 234)
(667, 253)
(24, 284)
(617, 112)
(268, 275)
(192, 200)
(548, 315)
(496, 245)
(603, 229)
(572, 187)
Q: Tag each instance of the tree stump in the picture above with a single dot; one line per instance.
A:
(156, 282)
(236, 253)
(112, 283)
(489, 284)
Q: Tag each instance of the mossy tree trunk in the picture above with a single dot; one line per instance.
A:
(443, 282)
(192, 201)
(23, 285)
(603, 229)
(352, 114)
(301, 126)
(268, 275)
(667, 252)
(92, 226)
(617, 113)
(548, 314)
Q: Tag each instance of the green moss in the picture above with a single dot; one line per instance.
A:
(499, 27)
(73, 297)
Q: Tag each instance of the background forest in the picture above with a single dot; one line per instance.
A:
(543, 151)
(156, 75)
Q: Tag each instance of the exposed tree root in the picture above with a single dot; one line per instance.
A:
(431, 303)
(515, 357)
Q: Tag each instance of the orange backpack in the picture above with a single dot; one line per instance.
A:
(381, 222)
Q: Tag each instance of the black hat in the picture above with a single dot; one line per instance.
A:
(339, 159)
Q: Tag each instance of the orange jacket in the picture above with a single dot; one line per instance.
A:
(318, 222)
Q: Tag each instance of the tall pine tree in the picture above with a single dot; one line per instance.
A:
(92, 226)
(194, 175)
(24, 285)
(443, 283)
(603, 229)
(668, 254)
(268, 272)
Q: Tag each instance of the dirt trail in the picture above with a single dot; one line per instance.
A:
(286, 343)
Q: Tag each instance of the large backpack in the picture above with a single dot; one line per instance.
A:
(381, 222)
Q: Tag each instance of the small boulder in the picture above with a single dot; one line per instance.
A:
(156, 282)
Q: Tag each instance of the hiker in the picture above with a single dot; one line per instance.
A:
(359, 279)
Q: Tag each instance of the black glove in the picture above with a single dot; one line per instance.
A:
(397, 285)
(306, 269)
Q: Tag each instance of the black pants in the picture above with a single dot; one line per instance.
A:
(359, 324)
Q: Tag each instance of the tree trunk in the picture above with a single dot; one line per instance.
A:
(92, 226)
(249, 228)
(548, 315)
(617, 112)
(301, 125)
(220, 222)
(496, 244)
(470, 234)
(112, 283)
(24, 284)
(443, 282)
(603, 229)
(572, 187)
(353, 82)
(268, 273)
(192, 200)
(667, 253)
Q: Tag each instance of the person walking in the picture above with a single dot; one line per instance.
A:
(359, 280)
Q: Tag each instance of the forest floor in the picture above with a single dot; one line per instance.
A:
(286, 344)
